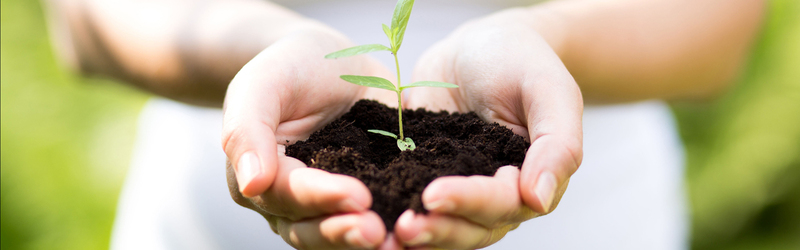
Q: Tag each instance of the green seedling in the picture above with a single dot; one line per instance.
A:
(395, 34)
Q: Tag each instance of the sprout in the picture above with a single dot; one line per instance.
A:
(395, 34)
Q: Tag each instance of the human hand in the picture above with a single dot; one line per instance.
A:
(508, 74)
(282, 95)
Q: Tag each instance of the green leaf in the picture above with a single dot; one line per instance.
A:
(386, 133)
(429, 84)
(369, 81)
(389, 34)
(357, 50)
(394, 38)
(402, 11)
(410, 143)
(406, 144)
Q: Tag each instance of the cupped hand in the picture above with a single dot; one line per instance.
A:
(508, 74)
(282, 95)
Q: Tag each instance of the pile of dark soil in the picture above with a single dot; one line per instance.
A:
(447, 144)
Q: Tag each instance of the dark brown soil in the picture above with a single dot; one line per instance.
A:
(447, 144)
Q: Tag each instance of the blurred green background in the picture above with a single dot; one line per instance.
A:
(66, 144)
(743, 149)
(66, 141)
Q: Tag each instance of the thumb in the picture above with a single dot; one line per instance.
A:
(248, 133)
(556, 151)
(252, 150)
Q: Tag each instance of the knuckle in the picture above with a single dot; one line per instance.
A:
(574, 149)
(232, 134)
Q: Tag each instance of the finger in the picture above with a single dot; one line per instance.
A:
(444, 231)
(489, 201)
(300, 192)
(391, 243)
(347, 231)
(274, 221)
(281, 86)
(248, 130)
(255, 159)
(545, 178)
(252, 148)
(554, 109)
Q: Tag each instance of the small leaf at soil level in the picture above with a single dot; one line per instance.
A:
(369, 81)
(386, 133)
(429, 84)
(402, 11)
(406, 144)
(357, 50)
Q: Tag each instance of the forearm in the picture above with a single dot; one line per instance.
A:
(184, 50)
(625, 50)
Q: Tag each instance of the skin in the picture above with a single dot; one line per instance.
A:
(298, 92)
(583, 51)
(185, 50)
(537, 99)
(260, 56)
(598, 51)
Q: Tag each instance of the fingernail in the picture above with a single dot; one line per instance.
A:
(406, 219)
(545, 190)
(390, 242)
(355, 238)
(443, 206)
(421, 239)
(247, 169)
(349, 205)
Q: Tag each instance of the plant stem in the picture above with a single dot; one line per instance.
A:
(399, 97)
